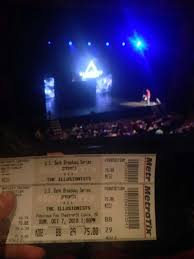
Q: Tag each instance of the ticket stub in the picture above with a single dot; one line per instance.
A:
(79, 198)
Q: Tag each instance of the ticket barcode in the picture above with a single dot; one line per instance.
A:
(131, 171)
(132, 208)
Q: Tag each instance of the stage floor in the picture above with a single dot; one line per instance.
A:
(104, 103)
(137, 104)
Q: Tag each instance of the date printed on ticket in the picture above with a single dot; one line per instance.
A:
(79, 198)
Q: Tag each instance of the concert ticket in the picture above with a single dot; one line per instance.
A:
(79, 198)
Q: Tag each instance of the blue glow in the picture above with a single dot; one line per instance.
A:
(49, 87)
(123, 43)
(89, 43)
(138, 43)
(104, 84)
(107, 43)
(91, 72)
(70, 43)
(49, 42)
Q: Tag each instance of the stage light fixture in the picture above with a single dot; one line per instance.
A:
(123, 44)
(70, 43)
(89, 43)
(107, 43)
(138, 43)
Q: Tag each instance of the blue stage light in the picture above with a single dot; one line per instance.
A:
(70, 43)
(89, 43)
(49, 42)
(123, 43)
(107, 43)
(138, 43)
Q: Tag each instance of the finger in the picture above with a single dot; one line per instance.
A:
(23, 252)
(7, 204)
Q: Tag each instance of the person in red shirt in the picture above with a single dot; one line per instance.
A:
(148, 95)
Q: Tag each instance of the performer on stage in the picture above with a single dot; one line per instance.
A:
(148, 96)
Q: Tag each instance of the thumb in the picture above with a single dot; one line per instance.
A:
(7, 204)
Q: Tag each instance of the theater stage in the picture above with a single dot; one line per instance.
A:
(104, 103)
